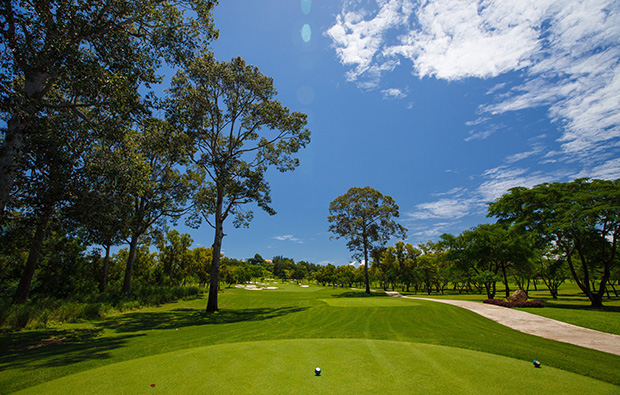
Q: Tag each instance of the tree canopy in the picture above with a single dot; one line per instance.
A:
(581, 217)
(365, 217)
(239, 130)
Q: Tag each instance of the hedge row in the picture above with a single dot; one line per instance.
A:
(503, 303)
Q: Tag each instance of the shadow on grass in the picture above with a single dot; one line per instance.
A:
(54, 347)
(179, 318)
(58, 347)
(360, 294)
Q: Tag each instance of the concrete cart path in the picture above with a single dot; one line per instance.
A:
(536, 325)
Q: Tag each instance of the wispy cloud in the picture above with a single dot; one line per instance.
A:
(288, 238)
(393, 93)
(441, 209)
(567, 52)
(424, 233)
(358, 39)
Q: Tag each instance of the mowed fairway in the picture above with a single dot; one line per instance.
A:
(270, 342)
(348, 366)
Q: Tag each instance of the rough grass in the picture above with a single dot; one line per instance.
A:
(33, 357)
(46, 312)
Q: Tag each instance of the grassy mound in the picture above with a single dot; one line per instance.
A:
(348, 366)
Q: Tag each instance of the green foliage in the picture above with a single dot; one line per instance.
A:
(581, 218)
(228, 110)
(45, 312)
(364, 217)
(86, 58)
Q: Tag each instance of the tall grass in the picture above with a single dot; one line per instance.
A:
(44, 312)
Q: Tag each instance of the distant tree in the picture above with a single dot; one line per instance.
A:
(299, 273)
(238, 128)
(550, 266)
(365, 217)
(581, 217)
(175, 256)
(256, 260)
(489, 250)
(200, 264)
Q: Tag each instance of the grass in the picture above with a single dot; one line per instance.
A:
(287, 367)
(156, 337)
(571, 306)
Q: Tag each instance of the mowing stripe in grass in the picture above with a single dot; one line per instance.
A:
(348, 366)
(28, 358)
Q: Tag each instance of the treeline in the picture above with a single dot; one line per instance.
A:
(543, 235)
(70, 269)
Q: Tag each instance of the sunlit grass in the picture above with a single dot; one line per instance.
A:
(287, 313)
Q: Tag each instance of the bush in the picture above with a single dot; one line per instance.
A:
(503, 303)
(39, 313)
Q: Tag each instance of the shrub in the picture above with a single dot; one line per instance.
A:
(38, 313)
(503, 303)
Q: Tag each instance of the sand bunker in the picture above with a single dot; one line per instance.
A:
(253, 287)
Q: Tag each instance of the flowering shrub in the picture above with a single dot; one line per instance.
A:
(503, 303)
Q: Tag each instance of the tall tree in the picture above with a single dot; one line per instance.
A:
(104, 202)
(97, 53)
(581, 217)
(366, 218)
(489, 250)
(229, 110)
(53, 177)
(161, 188)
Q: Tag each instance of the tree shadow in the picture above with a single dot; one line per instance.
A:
(360, 294)
(179, 318)
(54, 347)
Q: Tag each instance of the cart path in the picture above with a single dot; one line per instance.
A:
(536, 325)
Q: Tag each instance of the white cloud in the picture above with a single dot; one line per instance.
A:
(393, 93)
(431, 232)
(536, 150)
(288, 238)
(568, 54)
(480, 134)
(609, 170)
(444, 208)
(500, 179)
(357, 41)
(456, 191)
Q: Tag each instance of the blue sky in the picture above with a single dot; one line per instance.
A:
(443, 105)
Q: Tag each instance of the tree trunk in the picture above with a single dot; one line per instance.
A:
(366, 267)
(23, 289)
(133, 245)
(212, 304)
(106, 265)
(505, 281)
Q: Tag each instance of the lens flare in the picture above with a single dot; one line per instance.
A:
(306, 33)
(306, 5)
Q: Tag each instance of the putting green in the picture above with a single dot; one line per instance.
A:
(348, 365)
